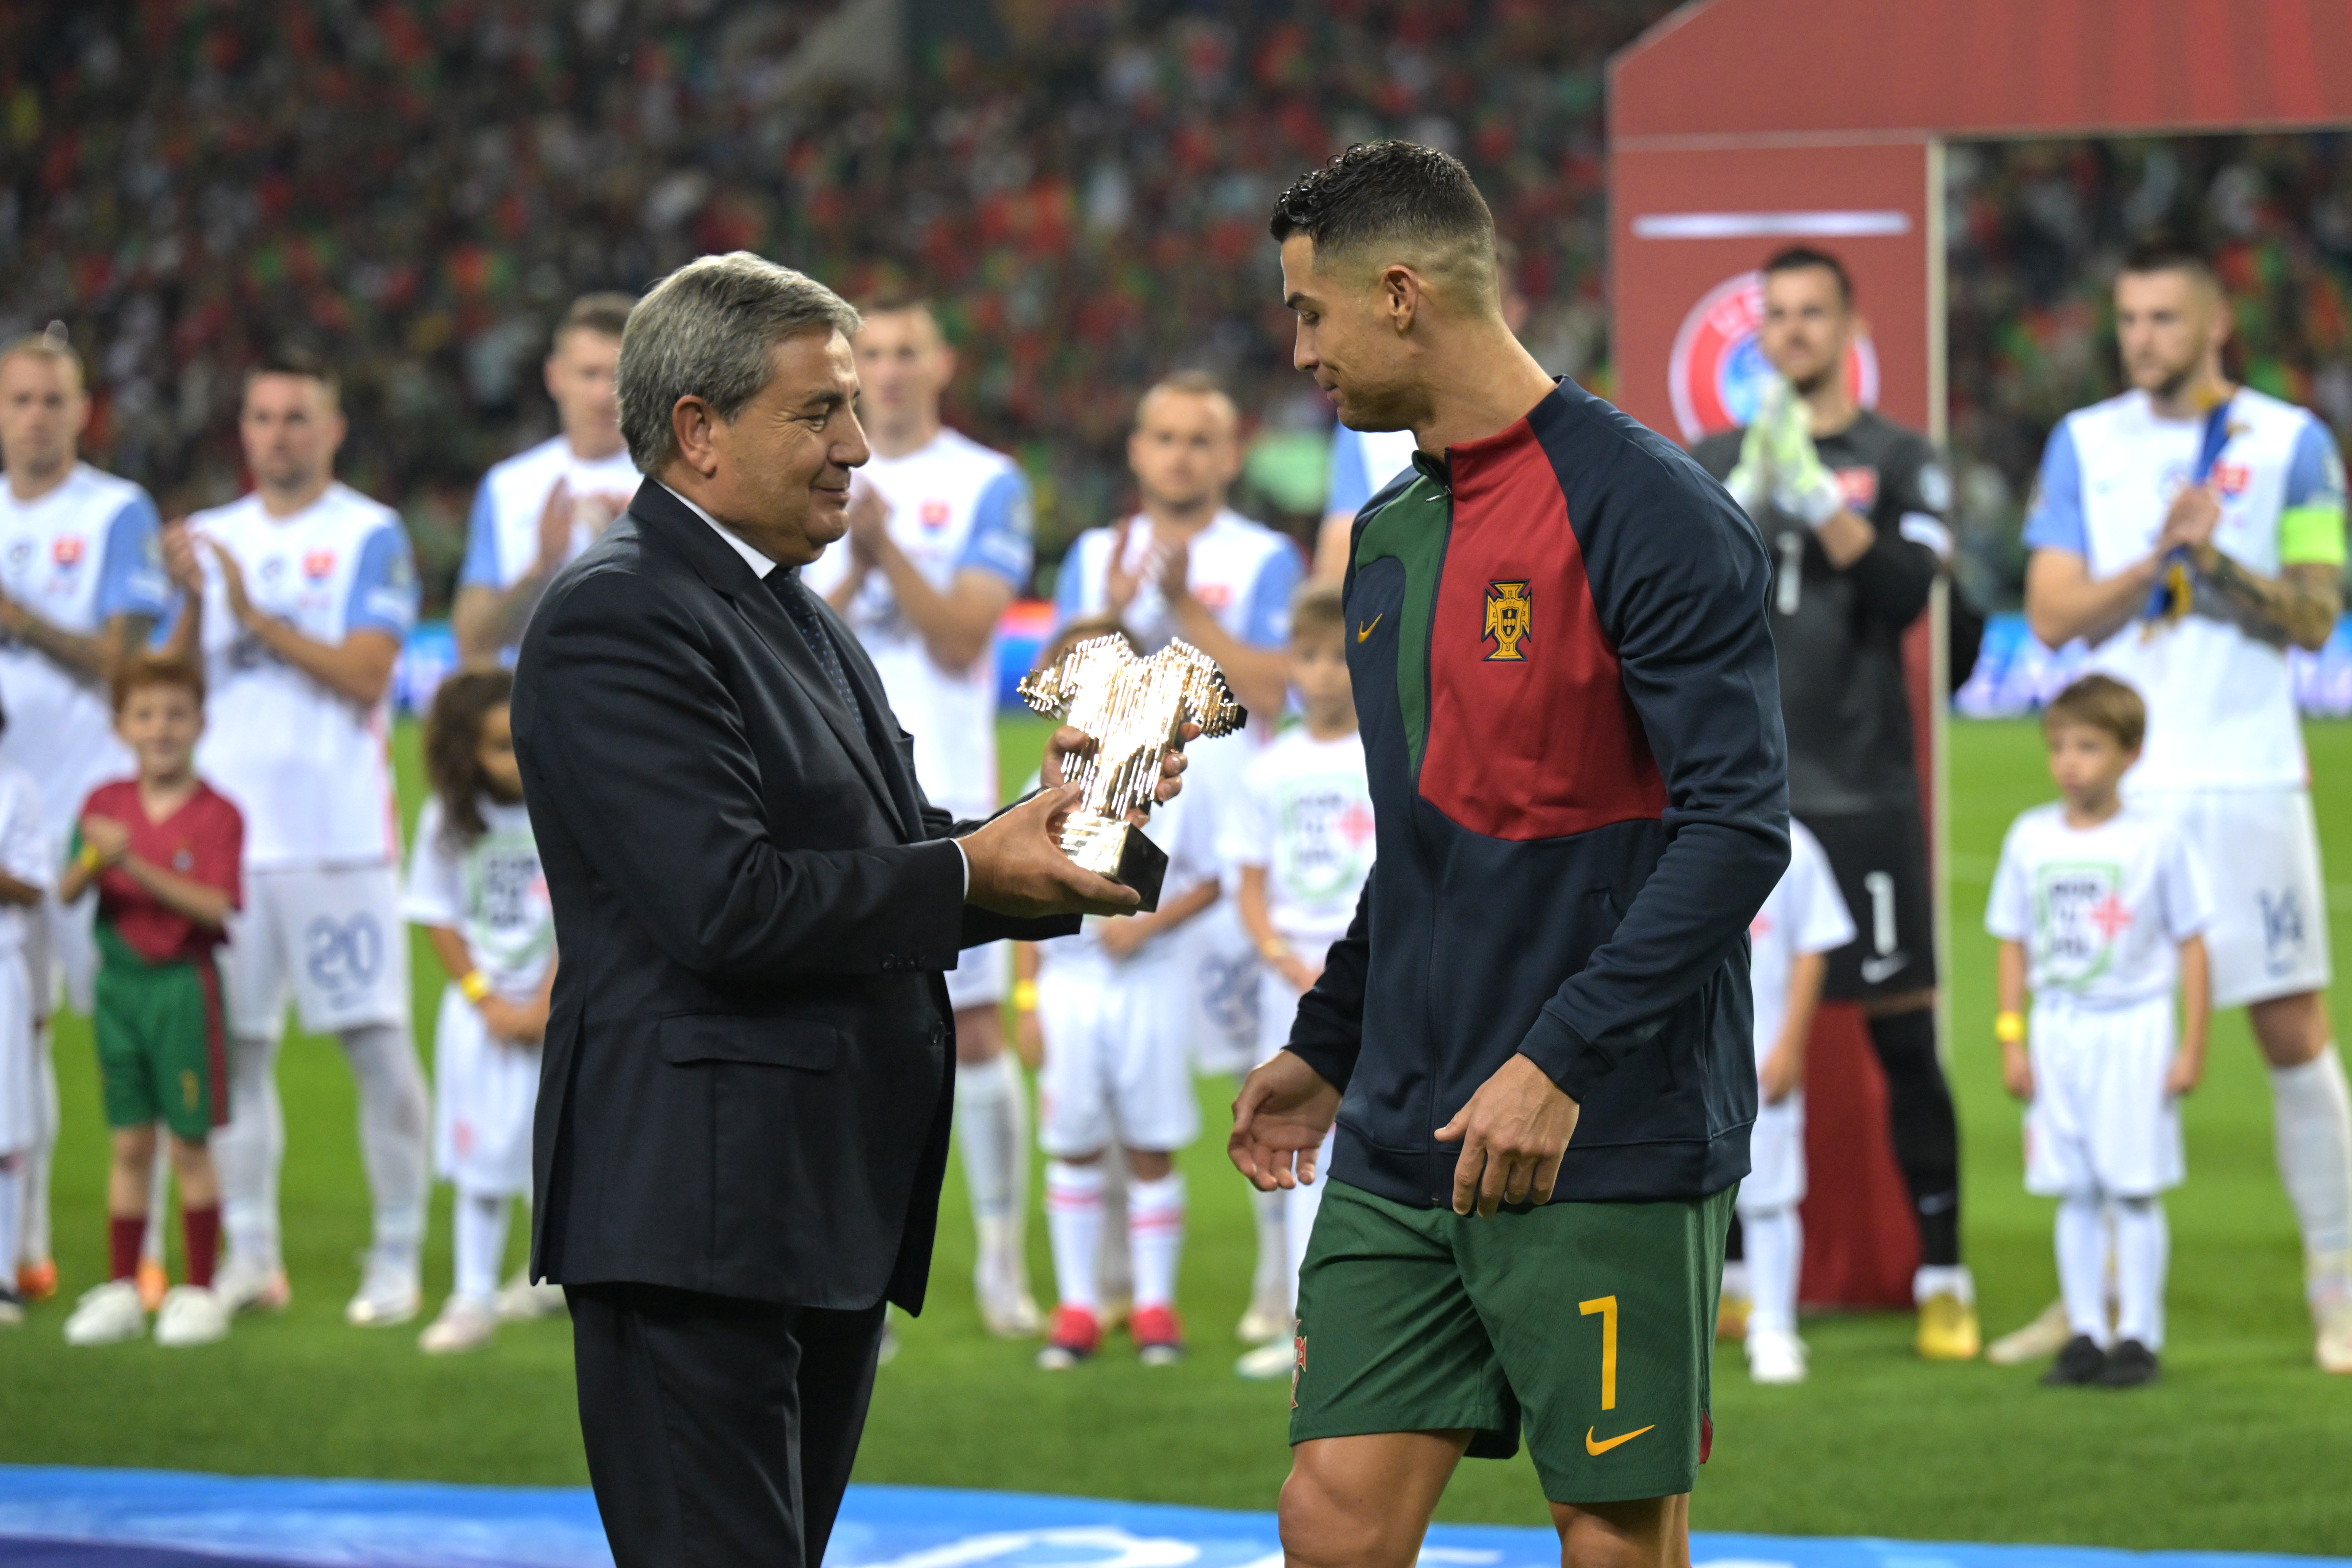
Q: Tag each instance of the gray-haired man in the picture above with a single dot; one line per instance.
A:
(743, 1114)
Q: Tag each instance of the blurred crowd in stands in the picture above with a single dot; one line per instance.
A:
(417, 189)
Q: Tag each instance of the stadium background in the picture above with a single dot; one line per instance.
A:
(418, 190)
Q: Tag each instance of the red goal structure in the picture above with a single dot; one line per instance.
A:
(1740, 126)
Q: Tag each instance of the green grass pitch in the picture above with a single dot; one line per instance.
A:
(2243, 1444)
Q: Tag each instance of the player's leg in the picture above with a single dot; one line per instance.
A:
(478, 1241)
(1774, 1240)
(1365, 1502)
(1274, 1279)
(193, 1313)
(1156, 1113)
(2142, 1251)
(2312, 1118)
(111, 1312)
(180, 1024)
(12, 1306)
(1155, 1239)
(992, 1119)
(1650, 1532)
(249, 1150)
(2058, 1165)
(49, 968)
(1074, 1129)
(464, 1117)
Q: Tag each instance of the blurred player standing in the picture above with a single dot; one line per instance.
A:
(298, 598)
(27, 873)
(1801, 922)
(541, 507)
(2231, 503)
(81, 583)
(2100, 909)
(939, 545)
(1299, 834)
(1850, 507)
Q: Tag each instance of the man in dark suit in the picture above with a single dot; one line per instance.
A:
(744, 1112)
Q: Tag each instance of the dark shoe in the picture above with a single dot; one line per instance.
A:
(2129, 1365)
(2080, 1362)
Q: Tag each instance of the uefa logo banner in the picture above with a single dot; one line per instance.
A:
(1718, 370)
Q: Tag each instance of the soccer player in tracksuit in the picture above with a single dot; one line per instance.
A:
(1850, 506)
(2192, 531)
(1570, 717)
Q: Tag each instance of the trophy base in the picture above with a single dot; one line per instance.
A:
(1121, 852)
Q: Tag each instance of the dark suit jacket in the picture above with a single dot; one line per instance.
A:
(748, 1065)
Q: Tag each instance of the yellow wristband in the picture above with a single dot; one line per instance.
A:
(90, 859)
(2008, 1028)
(1272, 950)
(1024, 995)
(473, 986)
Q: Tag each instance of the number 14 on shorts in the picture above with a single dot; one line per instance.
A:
(1606, 1308)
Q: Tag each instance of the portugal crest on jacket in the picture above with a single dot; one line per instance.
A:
(1507, 608)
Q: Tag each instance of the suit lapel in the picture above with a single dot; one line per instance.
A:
(663, 515)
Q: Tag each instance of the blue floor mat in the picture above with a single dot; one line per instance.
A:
(59, 1518)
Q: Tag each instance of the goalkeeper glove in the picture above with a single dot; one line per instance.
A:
(1802, 485)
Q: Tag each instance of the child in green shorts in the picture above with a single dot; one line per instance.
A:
(162, 850)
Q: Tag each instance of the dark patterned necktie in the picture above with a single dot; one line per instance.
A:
(794, 595)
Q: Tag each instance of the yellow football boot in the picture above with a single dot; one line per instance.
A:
(1948, 1329)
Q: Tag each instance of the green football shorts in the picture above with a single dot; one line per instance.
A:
(160, 1042)
(1592, 1324)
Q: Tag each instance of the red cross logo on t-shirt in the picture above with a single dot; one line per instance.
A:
(2110, 916)
(1356, 822)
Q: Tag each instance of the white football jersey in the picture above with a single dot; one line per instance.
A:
(1306, 816)
(2102, 911)
(1243, 573)
(2220, 703)
(492, 892)
(28, 852)
(308, 766)
(502, 532)
(79, 556)
(955, 506)
(1363, 464)
(1804, 913)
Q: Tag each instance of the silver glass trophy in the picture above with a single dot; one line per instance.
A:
(1134, 709)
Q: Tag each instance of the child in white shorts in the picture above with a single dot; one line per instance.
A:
(476, 887)
(2099, 907)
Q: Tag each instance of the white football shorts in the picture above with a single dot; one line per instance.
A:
(979, 978)
(2259, 849)
(1119, 1070)
(1776, 1157)
(2100, 1120)
(484, 1094)
(329, 936)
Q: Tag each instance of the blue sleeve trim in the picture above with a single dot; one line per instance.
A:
(2055, 522)
(1070, 583)
(131, 580)
(1002, 528)
(480, 567)
(1352, 479)
(384, 588)
(1266, 617)
(2315, 475)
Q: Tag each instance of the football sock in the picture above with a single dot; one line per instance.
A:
(2143, 1245)
(1115, 1271)
(392, 1133)
(2313, 1119)
(1775, 1248)
(1927, 1134)
(481, 1243)
(1074, 1214)
(200, 1228)
(123, 1232)
(248, 1152)
(33, 1169)
(1155, 1233)
(2082, 1264)
(11, 1212)
(990, 1113)
(1274, 1264)
(159, 1206)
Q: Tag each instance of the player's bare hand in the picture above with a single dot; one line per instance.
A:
(1067, 743)
(1513, 1134)
(12, 617)
(1173, 565)
(868, 517)
(1781, 1074)
(2189, 523)
(1298, 973)
(514, 1023)
(2188, 1071)
(2016, 1070)
(555, 527)
(1018, 869)
(1123, 939)
(109, 840)
(180, 562)
(1029, 1039)
(1280, 1119)
(1120, 585)
(240, 604)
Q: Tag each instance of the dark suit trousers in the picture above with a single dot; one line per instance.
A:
(719, 1431)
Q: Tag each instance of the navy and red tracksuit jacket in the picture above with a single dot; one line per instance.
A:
(1571, 716)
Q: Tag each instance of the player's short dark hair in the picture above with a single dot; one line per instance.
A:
(606, 314)
(453, 743)
(1314, 609)
(2169, 253)
(296, 359)
(1803, 258)
(1396, 194)
(2100, 702)
(143, 671)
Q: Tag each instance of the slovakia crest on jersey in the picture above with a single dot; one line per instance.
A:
(934, 514)
(1716, 371)
(318, 564)
(68, 551)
